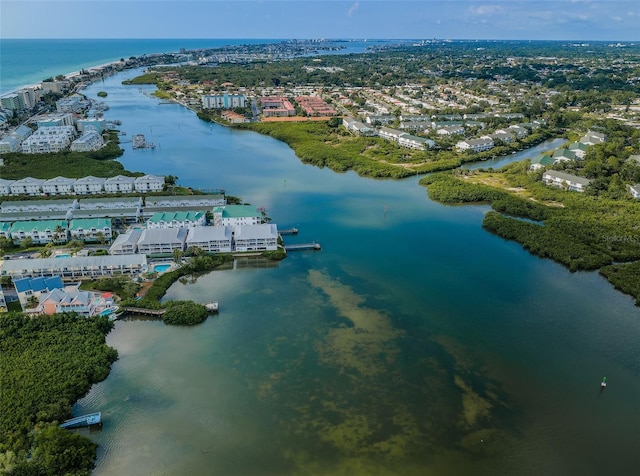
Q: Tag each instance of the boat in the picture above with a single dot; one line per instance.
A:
(82, 421)
(212, 306)
(603, 384)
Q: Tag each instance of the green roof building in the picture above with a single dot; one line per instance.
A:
(233, 215)
(41, 232)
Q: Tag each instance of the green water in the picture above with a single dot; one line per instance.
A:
(414, 343)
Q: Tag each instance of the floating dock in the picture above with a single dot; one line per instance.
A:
(82, 421)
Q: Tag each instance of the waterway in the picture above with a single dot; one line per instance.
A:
(414, 343)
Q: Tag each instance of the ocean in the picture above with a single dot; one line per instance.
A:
(413, 343)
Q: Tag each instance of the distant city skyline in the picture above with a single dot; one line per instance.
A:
(608, 20)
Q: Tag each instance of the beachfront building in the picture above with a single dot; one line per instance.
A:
(566, 181)
(149, 183)
(276, 106)
(223, 101)
(89, 141)
(29, 290)
(27, 186)
(475, 145)
(75, 268)
(162, 240)
(119, 184)
(177, 219)
(262, 237)
(58, 186)
(89, 185)
(184, 201)
(54, 120)
(94, 230)
(210, 238)
(234, 215)
(48, 139)
(126, 243)
(11, 102)
(40, 232)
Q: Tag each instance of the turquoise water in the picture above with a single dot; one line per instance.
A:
(161, 268)
(63, 256)
(414, 343)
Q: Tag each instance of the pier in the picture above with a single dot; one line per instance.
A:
(289, 231)
(143, 311)
(82, 421)
(303, 246)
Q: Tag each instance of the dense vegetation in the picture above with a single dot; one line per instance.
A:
(625, 278)
(68, 164)
(48, 362)
(184, 313)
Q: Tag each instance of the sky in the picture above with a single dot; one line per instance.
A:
(608, 20)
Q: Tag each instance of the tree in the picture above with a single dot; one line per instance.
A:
(100, 238)
(177, 255)
(26, 243)
(32, 302)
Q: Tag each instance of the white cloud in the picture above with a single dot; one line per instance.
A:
(484, 10)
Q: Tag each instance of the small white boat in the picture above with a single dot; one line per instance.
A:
(603, 384)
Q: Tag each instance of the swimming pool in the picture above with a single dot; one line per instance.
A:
(161, 268)
(64, 255)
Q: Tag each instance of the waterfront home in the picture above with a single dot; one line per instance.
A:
(29, 290)
(358, 127)
(27, 186)
(84, 125)
(83, 303)
(40, 232)
(75, 268)
(48, 139)
(210, 238)
(475, 145)
(126, 243)
(540, 161)
(233, 117)
(390, 134)
(519, 131)
(563, 155)
(233, 215)
(60, 205)
(110, 203)
(89, 141)
(176, 219)
(184, 201)
(566, 181)
(89, 185)
(119, 184)
(256, 237)
(162, 240)
(149, 183)
(415, 142)
(93, 230)
(634, 190)
(58, 186)
(501, 135)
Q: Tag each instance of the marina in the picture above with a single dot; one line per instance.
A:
(140, 142)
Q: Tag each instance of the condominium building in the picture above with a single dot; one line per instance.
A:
(26, 186)
(177, 220)
(89, 185)
(94, 230)
(233, 215)
(58, 186)
(211, 238)
(162, 240)
(149, 183)
(48, 139)
(88, 141)
(126, 243)
(256, 237)
(223, 101)
(77, 267)
(119, 184)
(40, 232)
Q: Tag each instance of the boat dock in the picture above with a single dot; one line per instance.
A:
(303, 246)
(289, 231)
(82, 421)
(213, 306)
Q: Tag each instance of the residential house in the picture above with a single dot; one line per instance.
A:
(593, 138)
(74, 268)
(564, 155)
(149, 183)
(40, 232)
(415, 142)
(10, 143)
(450, 130)
(501, 135)
(48, 139)
(5, 186)
(579, 149)
(5, 229)
(211, 238)
(126, 243)
(30, 289)
(262, 237)
(89, 185)
(475, 145)
(540, 161)
(234, 215)
(94, 230)
(162, 240)
(519, 131)
(58, 186)
(566, 181)
(358, 127)
(27, 186)
(89, 141)
(177, 219)
(82, 303)
(119, 184)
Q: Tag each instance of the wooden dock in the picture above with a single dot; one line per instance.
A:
(144, 311)
(289, 231)
(303, 246)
